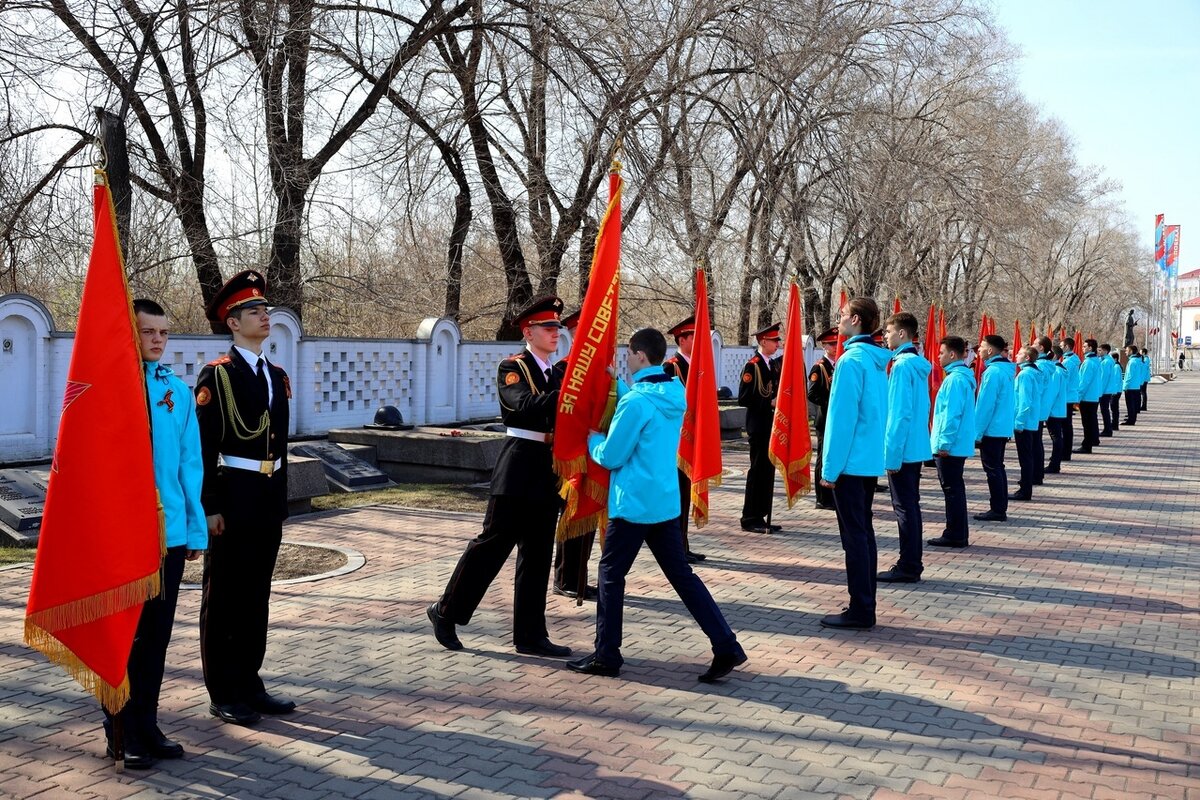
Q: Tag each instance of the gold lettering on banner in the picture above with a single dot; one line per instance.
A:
(569, 394)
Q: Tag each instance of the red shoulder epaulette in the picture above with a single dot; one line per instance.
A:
(225, 359)
(753, 359)
(515, 356)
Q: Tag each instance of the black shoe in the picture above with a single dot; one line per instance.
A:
(895, 575)
(163, 748)
(264, 703)
(693, 556)
(1106, 434)
(590, 594)
(591, 665)
(827, 506)
(756, 527)
(942, 541)
(722, 665)
(1038, 483)
(774, 528)
(847, 620)
(1053, 470)
(689, 558)
(135, 758)
(1020, 496)
(545, 648)
(443, 629)
(991, 516)
(237, 713)
(1083, 450)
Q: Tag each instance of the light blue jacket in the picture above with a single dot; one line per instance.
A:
(1112, 384)
(1071, 362)
(954, 412)
(1132, 379)
(1145, 370)
(1025, 416)
(1058, 379)
(178, 464)
(857, 412)
(1105, 374)
(997, 395)
(640, 448)
(906, 437)
(1045, 365)
(1091, 379)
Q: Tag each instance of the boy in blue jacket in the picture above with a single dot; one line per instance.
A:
(1145, 359)
(1025, 422)
(852, 458)
(994, 423)
(1131, 385)
(906, 442)
(178, 476)
(1071, 361)
(643, 506)
(1091, 380)
(1045, 366)
(1107, 387)
(1112, 385)
(1058, 412)
(953, 438)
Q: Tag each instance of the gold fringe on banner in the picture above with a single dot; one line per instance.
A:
(795, 475)
(111, 697)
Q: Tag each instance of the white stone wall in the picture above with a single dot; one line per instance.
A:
(434, 378)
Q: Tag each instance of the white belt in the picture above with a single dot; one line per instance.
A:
(265, 467)
(533, 436)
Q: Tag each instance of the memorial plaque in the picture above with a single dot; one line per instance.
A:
(342, 467)
(22, 498)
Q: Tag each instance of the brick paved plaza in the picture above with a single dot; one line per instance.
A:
(1056, 657)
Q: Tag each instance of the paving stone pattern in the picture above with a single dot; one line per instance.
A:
(1054, 658)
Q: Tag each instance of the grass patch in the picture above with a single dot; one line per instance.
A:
(438, 496)
(16, 555)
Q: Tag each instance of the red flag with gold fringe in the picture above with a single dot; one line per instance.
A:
(588, 394)
(700, 441)
(790, 448)
(100, 544)
(841, 340)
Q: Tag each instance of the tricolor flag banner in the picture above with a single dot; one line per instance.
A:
(1171, 250)
(1160, 255)
(100, 545)
(790, 448)
(588, 394)
(699, 453)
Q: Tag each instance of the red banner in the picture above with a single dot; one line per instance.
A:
(791, 443)
(100, 544)
(588, 394)
(841, 340)
(700, 441)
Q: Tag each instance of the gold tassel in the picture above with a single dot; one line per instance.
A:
(111, 697)
(90, 609)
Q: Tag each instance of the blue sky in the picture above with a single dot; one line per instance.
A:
(1124, 77)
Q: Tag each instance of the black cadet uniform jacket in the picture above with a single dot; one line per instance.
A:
(678, 366)
(760, 382)
(820, 380)
(230, 408)
(528, 400)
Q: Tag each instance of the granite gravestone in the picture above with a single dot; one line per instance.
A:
(22, 498)
(341, 467)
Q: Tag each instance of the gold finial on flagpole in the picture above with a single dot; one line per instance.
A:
(618, 152)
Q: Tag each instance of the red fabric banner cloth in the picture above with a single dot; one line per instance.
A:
(841, 340)
(930, 349)
(100, 545)
(790, 448)
(588, 394)
(700, 442)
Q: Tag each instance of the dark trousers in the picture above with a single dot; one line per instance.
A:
(148, 656)
(1144, 394)
(1039, 455)
(1115, 413)
(1090, 424)
(1055, 426)
(1026, 458)
(905, 484)
(760, 480)
(824, 495)
(509, 522)
(852, 496)
(234, 610)
(622, 541)
(685, 508)
(1133, 404)
(1106, 412)
(991, 456)
(1068, 433)
(570, 560)
(954, 489)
